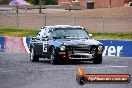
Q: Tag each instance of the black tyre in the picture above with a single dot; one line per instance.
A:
(53, 56)
(97, 59)
(33, 56)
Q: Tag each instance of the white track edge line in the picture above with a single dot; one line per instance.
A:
(25, 45)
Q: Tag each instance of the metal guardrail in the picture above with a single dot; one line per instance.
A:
(39, 7)
(42, 7)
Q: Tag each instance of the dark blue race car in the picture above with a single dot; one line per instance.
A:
(62, 43)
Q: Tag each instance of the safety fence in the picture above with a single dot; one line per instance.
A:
(92, 24)
(119, 48)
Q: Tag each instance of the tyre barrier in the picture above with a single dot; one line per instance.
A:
(119, 48)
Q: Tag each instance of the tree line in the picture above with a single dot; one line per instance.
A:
(43, 2)
(34, 2)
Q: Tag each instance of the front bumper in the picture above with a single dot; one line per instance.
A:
(77, 56)
(80, 53)
(80, 56)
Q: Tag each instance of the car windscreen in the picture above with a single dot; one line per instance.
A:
(69, 33)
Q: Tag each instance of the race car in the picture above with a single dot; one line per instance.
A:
(62, 43)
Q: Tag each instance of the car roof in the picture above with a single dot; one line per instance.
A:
(61, 26)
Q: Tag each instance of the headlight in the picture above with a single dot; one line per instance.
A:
(100, 47)
(62, 48)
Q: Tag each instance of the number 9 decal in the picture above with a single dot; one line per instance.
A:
(45, 47)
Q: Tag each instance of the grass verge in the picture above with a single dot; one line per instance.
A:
(31, 33)
(17, 32)
(113, 36)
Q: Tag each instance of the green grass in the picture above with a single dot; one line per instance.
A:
(31, 33)
(17, 32)
(113, 36)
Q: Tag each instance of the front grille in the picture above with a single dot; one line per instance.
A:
(79, 57)
(82, 49)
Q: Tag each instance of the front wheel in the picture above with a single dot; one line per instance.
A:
(97, 59)
(33, 56)
(53, 56)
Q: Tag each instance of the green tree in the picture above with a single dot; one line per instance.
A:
(30, 1)
(44, 2)
(4, 2)
(51, 2)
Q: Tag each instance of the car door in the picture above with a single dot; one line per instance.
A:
(42, 44)
(38, 46)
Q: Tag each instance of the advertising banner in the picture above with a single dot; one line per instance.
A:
(2, 39)
(120, 48)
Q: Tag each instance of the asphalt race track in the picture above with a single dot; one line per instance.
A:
(16, 71)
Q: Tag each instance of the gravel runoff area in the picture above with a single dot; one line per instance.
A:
(16, 71)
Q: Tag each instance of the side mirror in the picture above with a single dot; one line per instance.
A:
(33, 38)
(90, 35)
(44, 38)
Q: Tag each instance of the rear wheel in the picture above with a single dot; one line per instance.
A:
(33, 56)
(97, 59)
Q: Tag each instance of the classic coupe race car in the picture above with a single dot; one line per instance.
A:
(62, 43)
